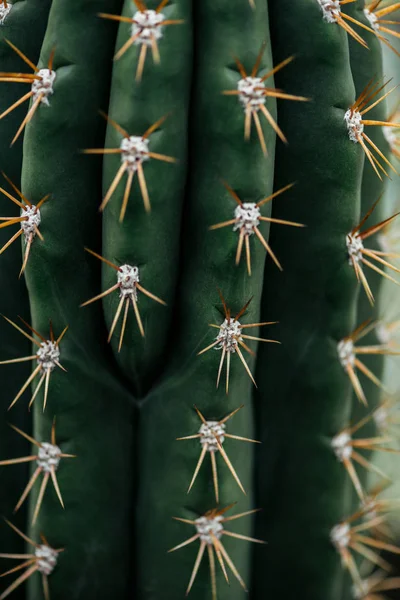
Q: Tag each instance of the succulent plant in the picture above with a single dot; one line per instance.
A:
(179, 180)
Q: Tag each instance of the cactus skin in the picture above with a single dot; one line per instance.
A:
(90, 421)
(206, 255)
(298, 414)
(363, 64)
(121, 410)
(25, 27)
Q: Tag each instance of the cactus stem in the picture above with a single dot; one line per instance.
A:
(48, 460)
(252, 94)
(44, 560)
(146, 29)
(357, 252)
(347, 352)
(230, 337)
(212, 435)
(128, 286)
(246, 220)
(41, 82)
(134, 150)
(210, 530)
(47, 357)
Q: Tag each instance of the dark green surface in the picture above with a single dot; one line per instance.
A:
(149, 241)
(93, 408)
(24, 27)
(217, 150)
(304, 396)
(121, 412)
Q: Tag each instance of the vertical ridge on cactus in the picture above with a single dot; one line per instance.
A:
(126, 94)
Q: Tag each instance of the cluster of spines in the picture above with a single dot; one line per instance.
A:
(146, 31)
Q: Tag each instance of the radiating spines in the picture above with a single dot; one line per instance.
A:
(347, 450)
(252, 94)
(375, 586)
(246, 221)
(146, 30)
(360, 256)
(47, 461)
(128, 287)
(41, 82)
(210, 529)
(356, 124)
(42, 560)
(134, 151)
(347, 354)
(211, 436)
(230, 339)
(5, 9)
(387, 417)
(377, 12)
(47, 359)
(351, 540)
(28, 221)
(332, 13)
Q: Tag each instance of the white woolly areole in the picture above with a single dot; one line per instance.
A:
(4, 12)
(206, 526)
(48, 355)
(208, 432)
(43, 86)
(346, 353)
(340, 535)
(33, 220)
(229, 335)
(381, 418)
(355, 247)
(330, 10)
(251, 94)
(341, 445)
(147, 25)
(372, 18)
(389, 133)
(128, 277)
(48, 457)
(353, 120)
(247, 217)
(46, 559)
(134, 151)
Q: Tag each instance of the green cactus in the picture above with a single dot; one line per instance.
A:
(191, 290)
